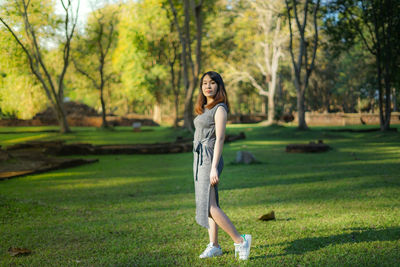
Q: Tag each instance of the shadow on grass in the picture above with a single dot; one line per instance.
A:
(358, 235)
(138, 184)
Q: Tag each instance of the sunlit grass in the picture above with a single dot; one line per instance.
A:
(339, 208)
(25, 139)
(92, 135)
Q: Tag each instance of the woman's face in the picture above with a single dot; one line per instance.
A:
(209, 87)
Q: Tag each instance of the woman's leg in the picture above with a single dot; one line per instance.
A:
(220, 218)
(213, 232)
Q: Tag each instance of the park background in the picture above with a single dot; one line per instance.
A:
(295, 72)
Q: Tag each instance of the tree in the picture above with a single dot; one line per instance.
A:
(32, 45)
(174, 55)
(376, 23)
(265, 56)
(303, 66)
(191, 68)
(93, 47)
(142, 52)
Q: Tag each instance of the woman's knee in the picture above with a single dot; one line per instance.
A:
(213, 209)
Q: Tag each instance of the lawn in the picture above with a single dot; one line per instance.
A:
(339, 208)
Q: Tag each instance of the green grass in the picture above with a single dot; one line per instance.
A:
(339, 208)
(96, 136)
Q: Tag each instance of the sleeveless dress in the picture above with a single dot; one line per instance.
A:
(203, 151)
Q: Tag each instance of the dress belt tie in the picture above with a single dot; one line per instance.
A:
(199, 146)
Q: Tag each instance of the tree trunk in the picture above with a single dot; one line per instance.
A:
(271, 97)
(175, 89)
(301, 81)
(386, 126)
(371, 97)
(103, 108)
(61, 118)
(188, 113)
(326, 103)
(302, 125)
(381, 117)
(394, 96)
(157, 112)
(271, 110)
(176, 111)
(264, 104)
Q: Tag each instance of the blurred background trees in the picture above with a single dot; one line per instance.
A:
(145, 57)
(32, 24)
(95, 45)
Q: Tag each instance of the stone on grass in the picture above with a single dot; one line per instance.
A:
(245, 157)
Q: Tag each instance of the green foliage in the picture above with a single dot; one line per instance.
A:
(20, 94)
(374, 24)
(229, 41)
(92, 53)
(340, 79)
(143, 48)
(141, 51)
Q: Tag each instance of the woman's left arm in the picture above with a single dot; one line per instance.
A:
(220, 125)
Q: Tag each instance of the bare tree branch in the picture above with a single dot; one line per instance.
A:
(311, 66)
(83, 72)
(291, 36)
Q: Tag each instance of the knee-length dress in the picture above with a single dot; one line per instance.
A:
(203, 151)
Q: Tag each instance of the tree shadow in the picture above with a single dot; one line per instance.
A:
(358, 235)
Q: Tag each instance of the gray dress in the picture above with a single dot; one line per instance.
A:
(203, 151)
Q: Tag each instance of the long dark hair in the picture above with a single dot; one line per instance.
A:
(219, 97)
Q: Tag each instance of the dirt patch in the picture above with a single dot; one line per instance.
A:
(23, 162)
(71, 109)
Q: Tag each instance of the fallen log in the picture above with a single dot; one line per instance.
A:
(312, 147)
(231, 137)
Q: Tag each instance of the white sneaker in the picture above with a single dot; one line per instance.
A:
(211, 251)
(243, 248)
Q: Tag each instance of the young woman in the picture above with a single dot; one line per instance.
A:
(212, 108)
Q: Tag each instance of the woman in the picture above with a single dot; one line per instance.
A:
(212, 108)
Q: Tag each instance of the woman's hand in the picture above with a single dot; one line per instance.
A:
(214, 179)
